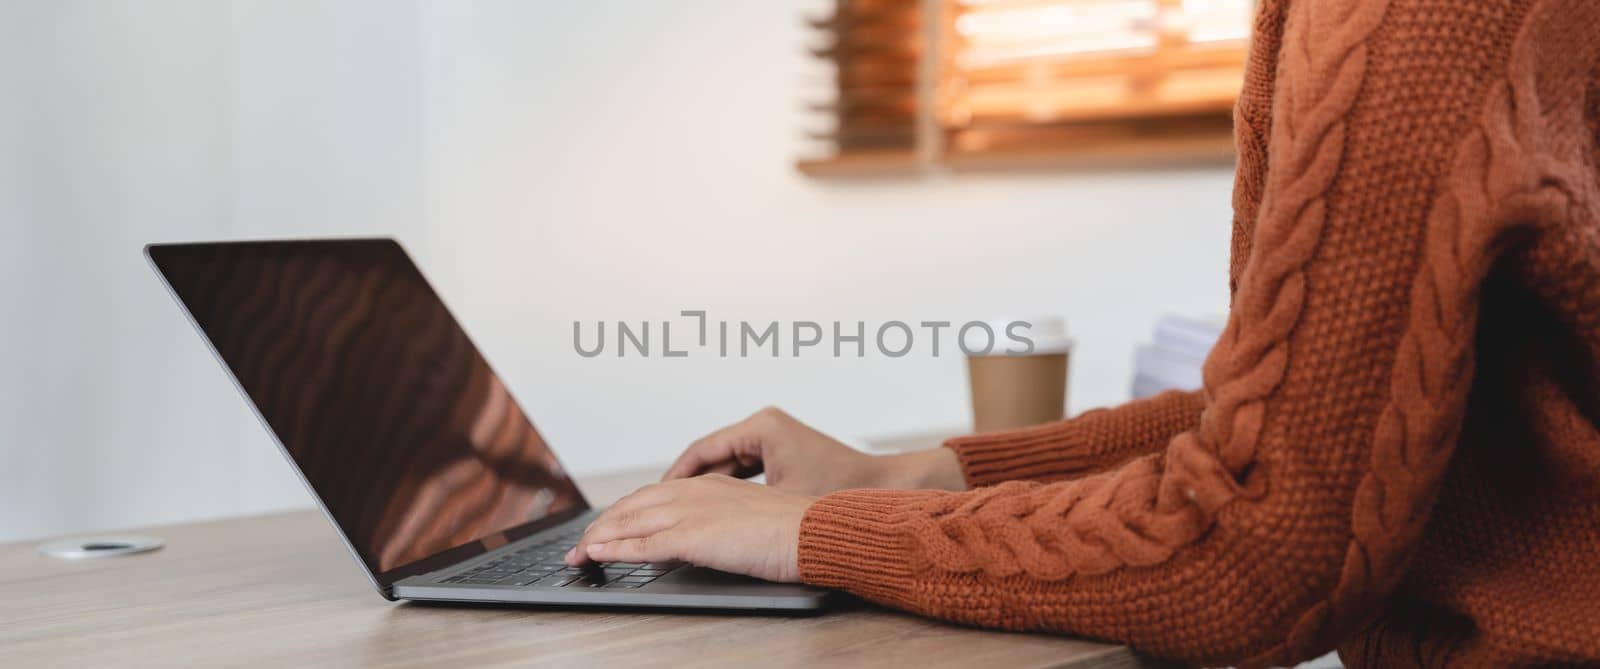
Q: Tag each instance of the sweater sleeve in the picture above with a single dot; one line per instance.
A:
(1268, 530)
(1094, 441)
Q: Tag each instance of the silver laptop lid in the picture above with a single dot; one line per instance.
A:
(396, 423)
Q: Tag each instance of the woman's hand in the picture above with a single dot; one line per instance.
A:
(799, 459)
(711, 521)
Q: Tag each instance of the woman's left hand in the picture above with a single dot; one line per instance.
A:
(712, 521)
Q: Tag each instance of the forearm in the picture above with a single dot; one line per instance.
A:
(1094, 441)
(1049, 557)
(928, 469)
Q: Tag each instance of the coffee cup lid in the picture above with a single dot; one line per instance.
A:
(1048, 335)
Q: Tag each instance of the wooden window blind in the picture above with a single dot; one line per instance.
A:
(996, 83)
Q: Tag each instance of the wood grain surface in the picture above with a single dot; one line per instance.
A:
(280, 590)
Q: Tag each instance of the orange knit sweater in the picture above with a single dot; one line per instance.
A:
(1395, 452)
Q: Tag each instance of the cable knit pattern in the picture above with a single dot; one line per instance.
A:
(1413, 147)
(1494, 185)
(1095, 441)
(1252, 121)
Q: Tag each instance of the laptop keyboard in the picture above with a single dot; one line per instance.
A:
(541, 565)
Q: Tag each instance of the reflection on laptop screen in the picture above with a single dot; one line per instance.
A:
(394, 418)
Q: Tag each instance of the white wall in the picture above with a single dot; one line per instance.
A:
(118, 123)
(132, 122)
(546, 162)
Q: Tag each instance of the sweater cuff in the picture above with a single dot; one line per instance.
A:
(852, 540)
(1034, 453)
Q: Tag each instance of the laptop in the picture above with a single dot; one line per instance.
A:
(431, 472)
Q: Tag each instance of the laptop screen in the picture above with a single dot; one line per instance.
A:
(397, 423)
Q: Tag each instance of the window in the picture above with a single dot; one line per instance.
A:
(1000, 83)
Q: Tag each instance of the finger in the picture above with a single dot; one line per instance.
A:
(653, 495)
(732, 450)
(624, 525)
(718, 450)
(662, 547)
(723, 468)
(708, 451)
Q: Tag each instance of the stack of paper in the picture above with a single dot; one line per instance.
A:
(1174, 358)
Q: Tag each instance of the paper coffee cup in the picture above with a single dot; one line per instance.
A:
(1021, 379)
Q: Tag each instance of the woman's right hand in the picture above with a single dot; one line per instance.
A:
(799, 459)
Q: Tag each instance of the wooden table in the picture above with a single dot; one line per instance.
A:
(280, 590)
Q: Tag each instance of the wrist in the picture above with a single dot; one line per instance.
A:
(929, 469)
